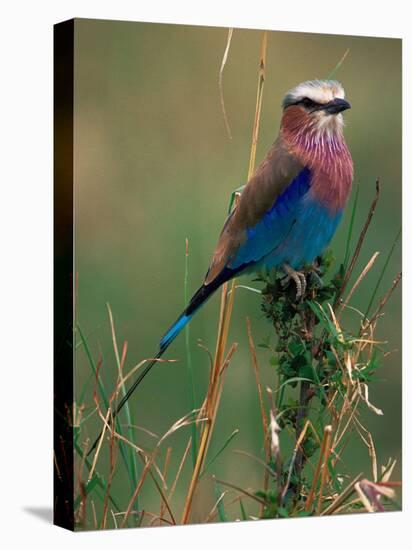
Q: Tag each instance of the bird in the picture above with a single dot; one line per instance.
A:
(289, 209)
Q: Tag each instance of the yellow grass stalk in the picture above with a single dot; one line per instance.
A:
(165, 469)
(325, 471)
(323, 456)
(226, 308)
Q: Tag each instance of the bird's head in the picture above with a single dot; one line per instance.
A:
(315, 108)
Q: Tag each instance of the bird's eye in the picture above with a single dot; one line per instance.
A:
(306, 102)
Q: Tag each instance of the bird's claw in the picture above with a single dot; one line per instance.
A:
(298, 277)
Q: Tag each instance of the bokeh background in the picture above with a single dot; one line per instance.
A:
(154, 166)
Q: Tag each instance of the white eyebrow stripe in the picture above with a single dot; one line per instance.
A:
(320, 91)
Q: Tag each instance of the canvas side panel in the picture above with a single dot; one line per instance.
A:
(63, 273)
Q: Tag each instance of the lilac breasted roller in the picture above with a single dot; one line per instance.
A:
(290, 207)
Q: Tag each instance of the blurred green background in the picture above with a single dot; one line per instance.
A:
(154, 166)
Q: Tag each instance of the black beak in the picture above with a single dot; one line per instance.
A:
(336, 106)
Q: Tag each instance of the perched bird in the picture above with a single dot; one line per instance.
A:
(290, 207)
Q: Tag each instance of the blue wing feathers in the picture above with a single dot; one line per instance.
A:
(275, 225)
(295, 230)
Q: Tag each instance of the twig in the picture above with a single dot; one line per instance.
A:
(358, 246)
(385, 299)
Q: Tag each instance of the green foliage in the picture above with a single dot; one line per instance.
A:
(309, 357)
(305, 334)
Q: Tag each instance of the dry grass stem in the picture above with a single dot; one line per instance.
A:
(259, 99)
(179, 471)
(359, 244)
(339, 500)
(112, 461)
(165, 470)
(136, 492)
(325, 457)
(216, 504)
(226, 308)
(364, 272)
(94, 514)
(384, 300)
(114, 519)
(292, 462)
(324, 453)
(222, 100)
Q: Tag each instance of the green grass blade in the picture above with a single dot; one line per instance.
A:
(220, 507)
(293, 379)
(323, 318)
(93, 366)
(242, 511)
(233, 195)
(220, 451)
(350, 230)
(338, 65)
(84, 389)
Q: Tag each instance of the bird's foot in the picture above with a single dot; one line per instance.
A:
(298, 277)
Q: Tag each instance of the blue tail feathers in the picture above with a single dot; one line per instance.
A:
(200, 297)
(174, 330)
